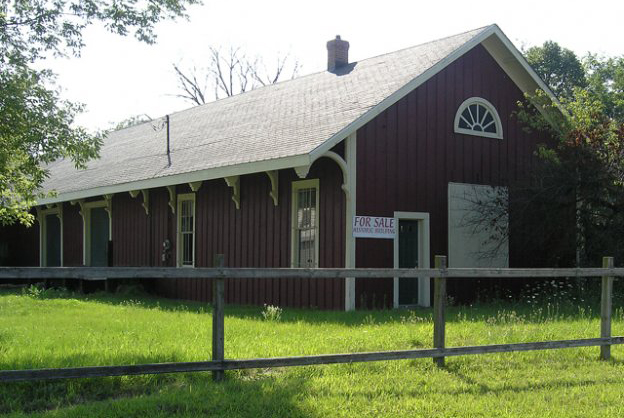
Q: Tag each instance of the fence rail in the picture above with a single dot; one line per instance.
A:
(219, 363)
(103, 273)
(220, 366)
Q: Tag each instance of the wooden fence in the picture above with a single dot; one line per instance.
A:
(219, 363)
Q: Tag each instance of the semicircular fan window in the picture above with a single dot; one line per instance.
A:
(476, 116)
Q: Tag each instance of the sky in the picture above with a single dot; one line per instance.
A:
(119, 77)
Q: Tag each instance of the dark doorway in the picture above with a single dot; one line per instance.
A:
(99, 237)
(408, 258)
(52, 241)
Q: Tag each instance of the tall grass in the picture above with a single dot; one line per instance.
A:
(55, 328)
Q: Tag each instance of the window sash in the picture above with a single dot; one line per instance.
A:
(476, 116)
(305, 226)
(186, 231)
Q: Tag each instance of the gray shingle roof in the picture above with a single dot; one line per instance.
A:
(287, 119)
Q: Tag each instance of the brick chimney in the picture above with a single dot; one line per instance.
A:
(337, 53)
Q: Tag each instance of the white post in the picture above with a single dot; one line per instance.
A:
(351, 181)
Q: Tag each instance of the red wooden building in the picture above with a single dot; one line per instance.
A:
(275, 177)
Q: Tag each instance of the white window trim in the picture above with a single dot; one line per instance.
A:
(86, 216)
(294, 244)
(423, 255)
(43, 230)
(184, 198)
(489, 106)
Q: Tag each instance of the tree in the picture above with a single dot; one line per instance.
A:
(559, 67)
(229, 73)
(606, 82)
(36, 125)
(131, 121)
(582, 172)
(564, 72)
(569, 210)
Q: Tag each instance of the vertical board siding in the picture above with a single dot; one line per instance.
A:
(72, 236)
(160, 229)
(408, 154)
(130, 231)
(256, 235)
(19, 245)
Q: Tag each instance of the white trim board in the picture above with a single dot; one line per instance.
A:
(423, 256)
(351, 210)
(201, 175)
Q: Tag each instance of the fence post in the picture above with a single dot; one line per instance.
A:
(605, 309)
(218, 303)
(439, 300)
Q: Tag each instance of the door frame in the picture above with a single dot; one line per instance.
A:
(86, 208)
(43, 231)
(423, 255)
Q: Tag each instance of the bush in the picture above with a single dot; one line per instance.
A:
(38, 291)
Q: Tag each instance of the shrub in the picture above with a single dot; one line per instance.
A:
(38, 291)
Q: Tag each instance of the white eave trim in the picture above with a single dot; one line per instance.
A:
(492, 30)
(308, 159)
(524, 63)
(208, 174)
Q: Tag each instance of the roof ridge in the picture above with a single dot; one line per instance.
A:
(282, 82)
(477, 30)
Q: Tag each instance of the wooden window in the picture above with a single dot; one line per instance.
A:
(305, 223)
(186, 230)
(477, 116)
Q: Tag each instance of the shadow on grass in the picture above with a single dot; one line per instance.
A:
(58, 360)
(240, 395)
(478, 387)
(495, 313)
(147, 301)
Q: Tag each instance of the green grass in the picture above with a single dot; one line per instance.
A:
(62, 330)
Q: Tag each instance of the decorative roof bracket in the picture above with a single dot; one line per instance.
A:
(234, 183)
(274, 193)
(172, 198)
(302, 171)
(80, 203)
(343, 166)
(195, 185)
(145, 204)
(109, 200)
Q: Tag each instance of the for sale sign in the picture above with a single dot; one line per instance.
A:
(374, 227)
